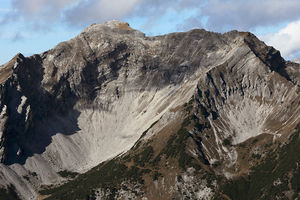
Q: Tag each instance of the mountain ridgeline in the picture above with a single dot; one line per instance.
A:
(114, 114)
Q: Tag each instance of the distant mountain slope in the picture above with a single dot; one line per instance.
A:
(115, 114)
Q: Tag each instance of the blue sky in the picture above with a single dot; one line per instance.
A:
(34, 26)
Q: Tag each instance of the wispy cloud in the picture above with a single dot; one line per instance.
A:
(215, 15)
(221, 15)
(243, 14)
(154, 11)
(17, 37)
(36, 13)
(5, 10)
(91, 11)
(41, 9)
(287, 40)
(84, 12)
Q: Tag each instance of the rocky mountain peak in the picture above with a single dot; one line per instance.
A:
(182, 103)
(114, 27)
(6, 70)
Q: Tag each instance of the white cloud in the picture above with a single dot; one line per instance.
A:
(287, 40)
(42, 14)
(221, 15)
(93, 11)
(244, 14)
(41, 9)
(5, 10)
(215, 15)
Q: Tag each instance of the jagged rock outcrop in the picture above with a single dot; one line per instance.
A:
(91, 98)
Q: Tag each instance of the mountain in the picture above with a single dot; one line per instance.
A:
(114, 114)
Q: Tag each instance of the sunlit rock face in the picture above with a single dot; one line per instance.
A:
(90, 99)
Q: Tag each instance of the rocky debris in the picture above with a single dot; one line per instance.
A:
(91, 98)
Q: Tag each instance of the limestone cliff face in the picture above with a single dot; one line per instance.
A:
(91, 98)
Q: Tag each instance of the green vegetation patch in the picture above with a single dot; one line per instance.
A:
(144, 157)
(108, 176)
(275, 168)
(176, 147)
(156, 175)
(9, 193)
(67, 174)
